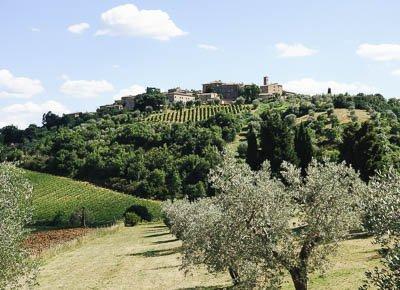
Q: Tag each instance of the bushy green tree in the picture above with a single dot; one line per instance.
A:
(382, 206)
(276, 141)
(16, 269)
(366, 148)
(257, 227)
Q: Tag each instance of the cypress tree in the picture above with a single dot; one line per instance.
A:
(252, 157)
(304, 147)
(277, 141)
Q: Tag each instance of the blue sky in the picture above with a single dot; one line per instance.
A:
(69, 56)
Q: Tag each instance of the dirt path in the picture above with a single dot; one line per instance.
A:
(142, 257)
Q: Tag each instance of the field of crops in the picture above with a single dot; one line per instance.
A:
(196, 114)
(56, 198)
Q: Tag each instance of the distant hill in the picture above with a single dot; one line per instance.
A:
(56, 198)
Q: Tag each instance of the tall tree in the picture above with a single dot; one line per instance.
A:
(304, 146)
(252, 157)
(277, 141)
(366, 149)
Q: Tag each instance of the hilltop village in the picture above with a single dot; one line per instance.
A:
(215, 92)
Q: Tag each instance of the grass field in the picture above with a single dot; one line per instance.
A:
(196, 114)
(147, 257)
(56, 198)
(342, 114)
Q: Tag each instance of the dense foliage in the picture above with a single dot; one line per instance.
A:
(286, 134)
(16, 268)
(257, 226)
(141, 158)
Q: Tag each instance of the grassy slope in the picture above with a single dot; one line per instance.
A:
(343, 115)
(146, 257)
(55, 195)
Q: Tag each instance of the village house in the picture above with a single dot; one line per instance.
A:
(207, 97)
(178, 95)
(128, 102)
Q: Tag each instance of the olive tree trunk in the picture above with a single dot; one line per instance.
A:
(299, 278)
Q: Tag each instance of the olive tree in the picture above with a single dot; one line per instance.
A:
(15, 212)
(383, 219)
(257, 227)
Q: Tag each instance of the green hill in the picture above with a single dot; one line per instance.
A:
(55, 199)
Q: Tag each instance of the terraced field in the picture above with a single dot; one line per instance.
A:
(196, 114)
(57, 198)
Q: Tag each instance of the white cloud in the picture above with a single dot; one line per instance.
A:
(396, 72)
(35, 29)
(379, 52)
(207, 47)
(131, 91)
(130, 21)
(86, 88)
(78, 28)
(310, 86)
(22, 115)
(116, 66)
(18, 87)
(294, 50)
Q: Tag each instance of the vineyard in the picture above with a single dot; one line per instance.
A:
(196, 114)
(55, 199)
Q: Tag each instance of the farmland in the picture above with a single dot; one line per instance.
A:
(196, 114)
(56, 198)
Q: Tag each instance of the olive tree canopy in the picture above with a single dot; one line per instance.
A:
(15, 212)
(257, 227)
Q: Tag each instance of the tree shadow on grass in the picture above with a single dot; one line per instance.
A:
(158, 227)
(166, 241)
(208, 288)
(157, 253)
(165, 267)
(157, 235)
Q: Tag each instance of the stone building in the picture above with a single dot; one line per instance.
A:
(128, 102)
(116, 106)
(267, 89)
(178, 95)
(207, 97)
(228, 91)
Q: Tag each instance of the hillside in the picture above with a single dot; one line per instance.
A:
(196, 114)
(55, 199)
(342, 114)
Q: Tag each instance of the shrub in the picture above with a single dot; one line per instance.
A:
(80, 218)
(141, 211)
(131, 219)
(57, 219)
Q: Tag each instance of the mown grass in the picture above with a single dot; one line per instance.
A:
(56, 198)
(147, 257)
